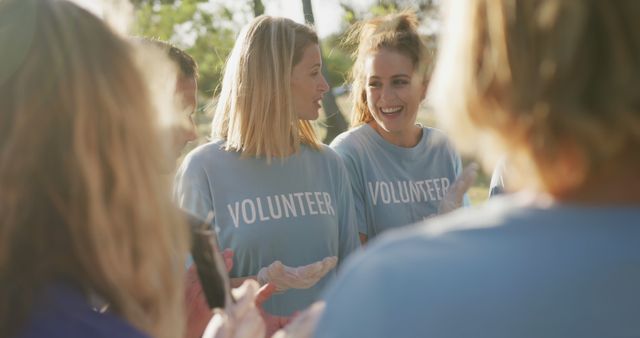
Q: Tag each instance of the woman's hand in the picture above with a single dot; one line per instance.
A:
(454, 197)
(241, 319)
(303, 277)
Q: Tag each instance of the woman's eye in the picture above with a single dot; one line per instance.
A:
(374, 84)
(400, 82)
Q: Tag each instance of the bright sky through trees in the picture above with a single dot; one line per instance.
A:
(328, 13)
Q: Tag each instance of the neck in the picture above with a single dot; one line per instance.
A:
(406, 138)
(612, 186)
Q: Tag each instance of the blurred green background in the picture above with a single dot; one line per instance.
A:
(207, 30)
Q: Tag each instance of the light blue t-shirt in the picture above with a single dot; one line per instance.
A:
(507, 269)
(298, 210)
(395, 186)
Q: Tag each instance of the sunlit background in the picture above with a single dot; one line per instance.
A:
(207, 30)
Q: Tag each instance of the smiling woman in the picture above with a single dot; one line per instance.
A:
(390, 78)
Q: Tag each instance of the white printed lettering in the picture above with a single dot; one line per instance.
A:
(374, 192)
(318, 196)
(299, 196)
(393, 194)
(245, 216)
(289, 206)
(429, 189)
(310, 203)
(405, 198)
(436, 184)
(445, 185)
(415, 191)
(260, 211)
(272, 212)
(420, 185)
(384, 192)
(235, 213)
(327, 202)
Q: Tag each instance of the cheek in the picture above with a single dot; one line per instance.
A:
(370, 97)
(370, 100)
(411, 95)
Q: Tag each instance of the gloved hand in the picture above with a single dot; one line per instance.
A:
(303, 277)
(241, 319)
(303, 325)
(454, 197)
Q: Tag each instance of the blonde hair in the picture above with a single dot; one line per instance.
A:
(81, 202)
(395, 32)
(254, 113)
(540, 80)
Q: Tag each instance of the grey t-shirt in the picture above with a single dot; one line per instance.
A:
(395, 186)
(298, 210)
(506, 269)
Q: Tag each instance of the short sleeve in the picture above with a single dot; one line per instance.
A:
(191, 189)
(358, 190)
(349, 240)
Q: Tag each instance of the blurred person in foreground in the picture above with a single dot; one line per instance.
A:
(82, 215)
(554, 85)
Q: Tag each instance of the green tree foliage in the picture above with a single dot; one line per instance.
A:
(206, 32)
(337, 59)
(258, 8)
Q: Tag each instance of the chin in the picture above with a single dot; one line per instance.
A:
(391, 129)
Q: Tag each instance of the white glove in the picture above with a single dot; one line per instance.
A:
(453, 199)
(302, 277)
(304, 324)
(239, 320)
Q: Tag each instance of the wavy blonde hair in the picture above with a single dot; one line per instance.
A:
(395, 32)
(81, 201)
(542, 80)
(254, 113)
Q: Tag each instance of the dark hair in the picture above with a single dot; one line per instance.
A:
(188, 65)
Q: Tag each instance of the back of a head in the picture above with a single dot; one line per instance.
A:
(556, 84)
(395, 32)
(187, 65)
(254, 112)
(80, 199)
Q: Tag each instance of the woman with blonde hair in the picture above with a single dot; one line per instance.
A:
(400, 171)
(280, 198)
(82, 214)
(555, 86)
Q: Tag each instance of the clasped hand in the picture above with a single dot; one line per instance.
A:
(302, 277)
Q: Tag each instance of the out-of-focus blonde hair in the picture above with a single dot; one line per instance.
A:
(82, 200)
(540, 80)
(394, 32)
(254, 113)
